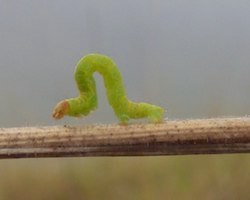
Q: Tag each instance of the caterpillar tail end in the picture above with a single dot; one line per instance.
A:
(60, 109)
(157, 115)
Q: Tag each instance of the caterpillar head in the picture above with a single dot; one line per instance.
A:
(61, 109)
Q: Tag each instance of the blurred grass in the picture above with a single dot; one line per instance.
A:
(174, 177)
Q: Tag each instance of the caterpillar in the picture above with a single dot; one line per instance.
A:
(87, 101)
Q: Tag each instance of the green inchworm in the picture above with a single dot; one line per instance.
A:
(87, 99)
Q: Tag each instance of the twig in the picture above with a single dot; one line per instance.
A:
(202, 136)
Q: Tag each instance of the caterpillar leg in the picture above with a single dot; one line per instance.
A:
(156, 115)
(123, 119)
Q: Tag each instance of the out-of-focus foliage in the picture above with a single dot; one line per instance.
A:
(182, 177)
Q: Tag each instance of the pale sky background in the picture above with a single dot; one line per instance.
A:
(191, 57)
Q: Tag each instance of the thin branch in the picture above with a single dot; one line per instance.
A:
(201, 136)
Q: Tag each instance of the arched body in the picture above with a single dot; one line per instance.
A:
(116, 94)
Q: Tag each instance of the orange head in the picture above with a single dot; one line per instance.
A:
(61, 109)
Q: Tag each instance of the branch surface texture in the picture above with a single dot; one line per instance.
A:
(184, 137)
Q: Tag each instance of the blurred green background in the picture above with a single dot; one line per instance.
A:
(191, 57)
